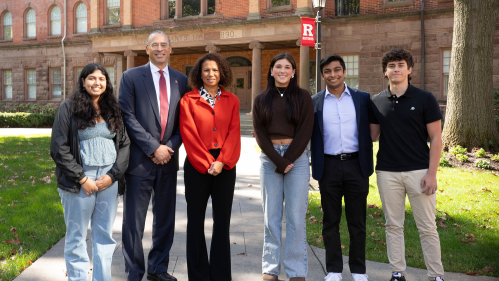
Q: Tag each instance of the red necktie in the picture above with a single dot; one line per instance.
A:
(163, 101)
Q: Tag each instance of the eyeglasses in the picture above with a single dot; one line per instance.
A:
(155, 46)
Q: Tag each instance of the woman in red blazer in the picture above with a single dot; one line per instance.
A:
(210, 130)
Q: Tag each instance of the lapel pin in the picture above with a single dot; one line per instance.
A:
(175, 81)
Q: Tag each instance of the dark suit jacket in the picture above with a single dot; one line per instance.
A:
(138, 101)
(361, 101)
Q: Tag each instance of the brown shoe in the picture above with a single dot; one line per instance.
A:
(297, 279)
(267, 277)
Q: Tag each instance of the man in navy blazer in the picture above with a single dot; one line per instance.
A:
(149, 97)
(342, 161)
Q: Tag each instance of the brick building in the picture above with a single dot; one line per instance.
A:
(35, 67)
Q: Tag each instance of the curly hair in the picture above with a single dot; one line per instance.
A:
(397, 55)
(195, 80)
(263, 102)
(82, 105)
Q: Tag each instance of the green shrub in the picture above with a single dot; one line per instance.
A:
(458, 150)
(9, 107)
(26, 120)
(483, 164)
(462, 157)
(481, 153)
(495, 158)
(444, 162)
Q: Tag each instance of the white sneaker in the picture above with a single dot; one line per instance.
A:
(438, 278)
(331, 276)
(359, 277)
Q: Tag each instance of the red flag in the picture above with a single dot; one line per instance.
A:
(308, 32)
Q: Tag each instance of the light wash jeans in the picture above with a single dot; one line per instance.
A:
(79, 209)
(292, 187)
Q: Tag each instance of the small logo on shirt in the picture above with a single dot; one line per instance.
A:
(412, 108)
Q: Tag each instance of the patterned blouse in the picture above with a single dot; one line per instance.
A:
(204, 94)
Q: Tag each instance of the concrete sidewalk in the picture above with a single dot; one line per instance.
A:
(246, 237)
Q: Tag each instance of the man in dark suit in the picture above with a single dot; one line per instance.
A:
(149, 97)
(342, 161)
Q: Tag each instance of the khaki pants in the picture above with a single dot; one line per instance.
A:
(393, 186)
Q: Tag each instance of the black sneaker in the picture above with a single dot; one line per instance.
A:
(397, 276)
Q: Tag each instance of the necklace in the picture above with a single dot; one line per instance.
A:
(280, 91)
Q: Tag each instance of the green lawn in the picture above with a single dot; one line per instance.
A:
(29, 203)
(467, 220)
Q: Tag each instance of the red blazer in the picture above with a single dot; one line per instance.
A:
(203, 128)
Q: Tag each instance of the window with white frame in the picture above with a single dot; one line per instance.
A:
(7, 84)
(31, 23)
(81, 18)
(55, 21)
(352, 65)
(113, 11)
(110, 72)
(31, 83)
(7, 25)
(445, 71)
(55, 83)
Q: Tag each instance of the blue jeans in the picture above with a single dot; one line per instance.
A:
(79, 209)
(292, 187)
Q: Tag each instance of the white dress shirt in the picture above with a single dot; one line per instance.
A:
(340, 132)
(155, 78)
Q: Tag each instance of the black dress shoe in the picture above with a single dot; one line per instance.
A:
(160, 277)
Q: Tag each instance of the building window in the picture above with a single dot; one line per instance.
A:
(30, 23)
(347, 7)
(352, 65)
(110, 72)
(445, 71)
(168, 9)
(7, 26)
(277, 3)
(7, 84)
(191, 7)
(55, 83)
(55, 21)
(113, 11)
(81, 18)
(211, 7)
(31, 83)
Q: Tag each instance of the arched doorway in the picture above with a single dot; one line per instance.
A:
(241, 80)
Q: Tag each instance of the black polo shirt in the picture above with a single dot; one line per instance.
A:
(403, 140)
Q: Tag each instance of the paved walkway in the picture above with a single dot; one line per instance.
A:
(246, 235)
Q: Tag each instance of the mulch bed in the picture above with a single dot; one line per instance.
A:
(470, 164)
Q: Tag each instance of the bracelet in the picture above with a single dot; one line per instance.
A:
(84, 181)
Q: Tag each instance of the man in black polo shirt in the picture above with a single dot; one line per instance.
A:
(407, 117)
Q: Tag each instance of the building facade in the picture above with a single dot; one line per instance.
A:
(45, 43)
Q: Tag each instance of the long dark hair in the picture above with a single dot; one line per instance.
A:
(263, 102)
(82, 105)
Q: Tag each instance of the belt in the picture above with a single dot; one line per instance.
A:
(343, 156)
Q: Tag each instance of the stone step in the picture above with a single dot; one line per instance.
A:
(245, 117)
(246, 122)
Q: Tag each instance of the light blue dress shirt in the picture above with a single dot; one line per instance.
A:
(340, 132)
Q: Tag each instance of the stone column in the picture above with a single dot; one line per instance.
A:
(178, 9)
(127, 15)
(304, 7)
(97, 57)
(256, 69)
(119, 72)
(94, 16)
(254, 10)
(130, 58)
(212, 48)
(204, 8)
(304, 66)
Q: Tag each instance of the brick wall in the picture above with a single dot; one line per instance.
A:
(42, 10)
